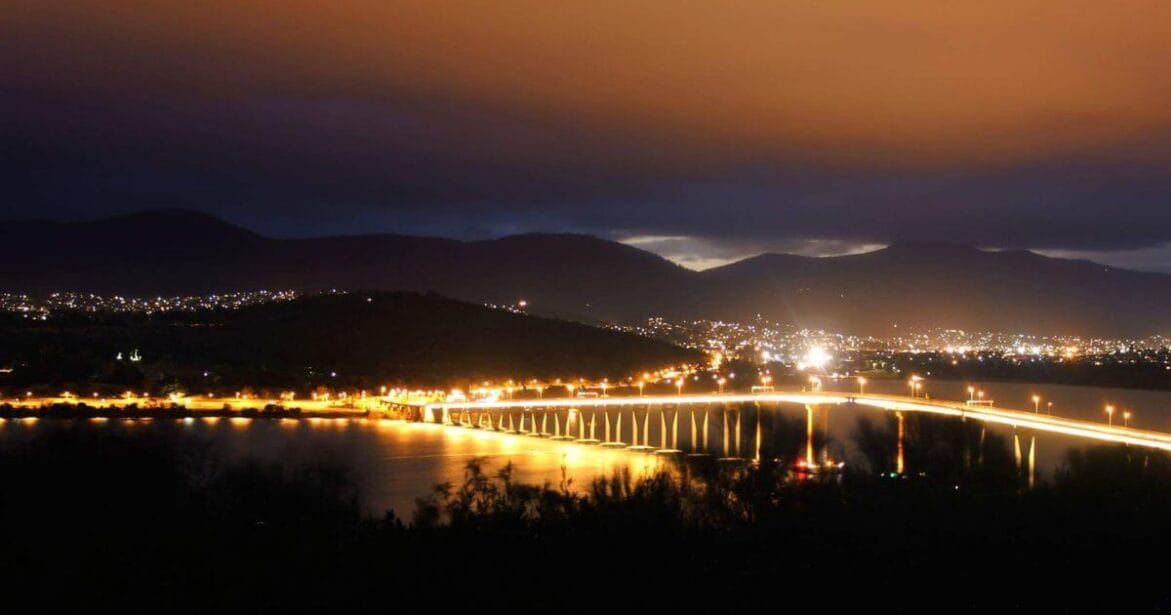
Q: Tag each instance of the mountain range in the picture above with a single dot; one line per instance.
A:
(906, 285)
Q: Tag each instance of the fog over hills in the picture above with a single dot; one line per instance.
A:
(907, 284)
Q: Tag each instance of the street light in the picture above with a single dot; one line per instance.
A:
(1126, 418)
(679, 385)
(641, 384)
(914, 384)
(1050, 408)
(861, 385)
(605, 385)
(971, 393)
(1036, 404)
(1110, 415)
(721, 382)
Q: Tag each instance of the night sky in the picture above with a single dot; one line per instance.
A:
(705, 131)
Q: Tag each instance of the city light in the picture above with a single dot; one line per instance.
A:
(815, 358)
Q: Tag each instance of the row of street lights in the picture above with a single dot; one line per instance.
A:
(916, 384)
(1110, 416)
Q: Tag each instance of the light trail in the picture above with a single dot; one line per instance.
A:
(1000, 416)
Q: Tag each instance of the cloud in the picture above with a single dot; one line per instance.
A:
(701, 131)
(701, 253)
(1155, 259)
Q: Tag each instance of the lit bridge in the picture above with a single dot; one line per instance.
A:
(626, 422)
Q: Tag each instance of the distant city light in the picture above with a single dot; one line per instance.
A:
(816, 358)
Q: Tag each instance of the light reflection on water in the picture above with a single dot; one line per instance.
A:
(1151, 409)
(394, 462)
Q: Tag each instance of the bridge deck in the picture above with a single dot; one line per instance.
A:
(1002, 416)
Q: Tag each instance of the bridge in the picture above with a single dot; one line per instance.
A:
(599, 420)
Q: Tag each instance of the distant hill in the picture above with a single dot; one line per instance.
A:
(182, 252)
(949, 286)
(357, 339)
(583, 277)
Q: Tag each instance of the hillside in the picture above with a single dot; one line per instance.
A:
(591, 279)
(183, 253)
(948, 286)
(356, 339)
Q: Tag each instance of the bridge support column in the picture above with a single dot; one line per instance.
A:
(694, 444)
(706, 414)
(809, 408)
(675, 428)
(900, 465)
(645, 443)
(616, 441)
(756, 411)
(739, 440)
(726, 430)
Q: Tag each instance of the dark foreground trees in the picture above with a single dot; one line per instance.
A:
(164, 525)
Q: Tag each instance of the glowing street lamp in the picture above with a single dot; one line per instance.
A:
(971, 393)
(1036, 404)
(721, 382)
(605, 385)
(915, 385)
(861, 385)
(641, 384)
(679, 385)
(1126, 418)
(1110, 415)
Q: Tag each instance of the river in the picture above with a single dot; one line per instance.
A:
(395, 462)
